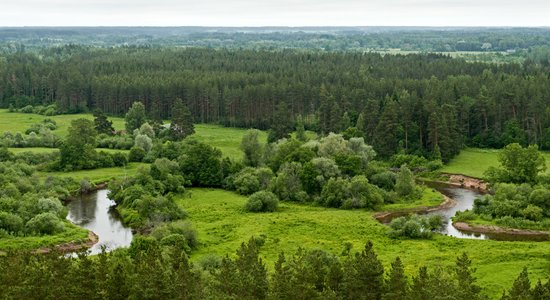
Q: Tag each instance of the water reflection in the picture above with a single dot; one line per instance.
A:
(464, 200)
(94, 212)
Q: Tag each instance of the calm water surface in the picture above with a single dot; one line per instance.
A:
(95, 212)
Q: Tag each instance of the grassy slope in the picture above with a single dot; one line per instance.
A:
(474, 162)
(222, 225)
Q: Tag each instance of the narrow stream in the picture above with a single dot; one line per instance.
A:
(464, 199)
(95, 212)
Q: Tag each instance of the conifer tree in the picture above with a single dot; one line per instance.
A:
(521, 288)
(467, 287)
(397, 286)
(364, 275)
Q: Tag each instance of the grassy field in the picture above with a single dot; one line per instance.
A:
(223, 224)
(71, 233)
(48, 150)
(224, 138)
(19, 122)
(474, 162)
(98, 175)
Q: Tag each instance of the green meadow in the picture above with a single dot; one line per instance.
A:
(474, 162)
(224, 138)
(223, 224)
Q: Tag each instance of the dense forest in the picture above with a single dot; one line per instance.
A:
(425, 104)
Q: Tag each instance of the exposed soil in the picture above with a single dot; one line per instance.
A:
(72, 246)
(463, 226)
(467, 182)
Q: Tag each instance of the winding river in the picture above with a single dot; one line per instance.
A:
(463, 200)
(95, 212)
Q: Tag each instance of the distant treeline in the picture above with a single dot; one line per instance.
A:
(424, 104)
(321, 38)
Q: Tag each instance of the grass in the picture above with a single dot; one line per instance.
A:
(20, 122)
(98, 175)
(48, 150)
(430, 197)
(226, 139)
(222, 225)
(474, 162)
(72, 233)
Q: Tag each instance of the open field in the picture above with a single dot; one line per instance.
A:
(48, 150)
(19, 122)
(224, 138)
(98, 175)
(474, 162)
(223, 224)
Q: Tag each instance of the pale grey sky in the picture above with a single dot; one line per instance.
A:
(274, 13)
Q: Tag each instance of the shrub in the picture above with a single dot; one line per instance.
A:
(136, 154)
(532, 212)
(385, 180)
(10, 222)
(119, 159)
(415, 227)
(262, 201)
(45, 223)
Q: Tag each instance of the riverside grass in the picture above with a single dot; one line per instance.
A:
(223, 224)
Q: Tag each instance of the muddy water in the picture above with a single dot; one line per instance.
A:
(95, 212)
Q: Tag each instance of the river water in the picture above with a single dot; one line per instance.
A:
(464, 199)
(95, 212)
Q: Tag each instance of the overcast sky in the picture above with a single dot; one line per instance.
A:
(274, 12)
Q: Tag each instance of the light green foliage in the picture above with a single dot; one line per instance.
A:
(358, 147)
(262, 201)
(144, 142)
(147, 129)
(135, 117)
(332, 145)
